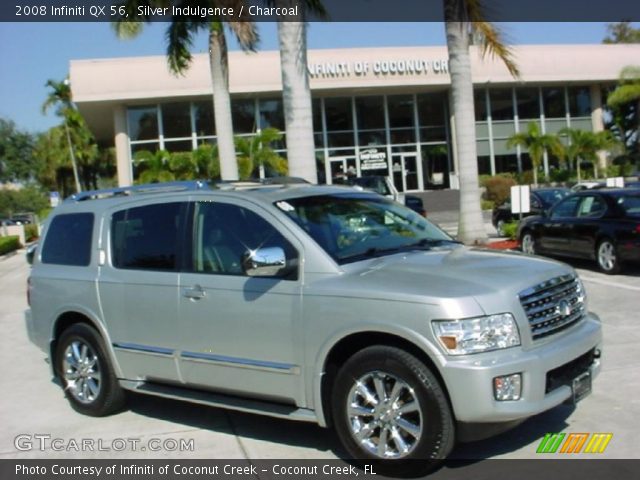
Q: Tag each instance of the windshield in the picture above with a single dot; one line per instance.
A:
(550, 197)
(355, 226)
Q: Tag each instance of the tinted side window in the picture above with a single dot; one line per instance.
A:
(591, 206)
(68, 241)
(146, 238)
(223, 233)
(566, 208)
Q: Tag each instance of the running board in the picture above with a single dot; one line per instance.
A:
(227, 401)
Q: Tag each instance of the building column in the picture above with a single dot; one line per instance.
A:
(123, 160)
(597, 122)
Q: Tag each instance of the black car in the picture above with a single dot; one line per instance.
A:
(601, 225)
(540, 200)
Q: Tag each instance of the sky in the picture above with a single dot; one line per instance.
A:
(32, 53)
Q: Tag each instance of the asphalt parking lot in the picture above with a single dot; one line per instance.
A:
(31, 404)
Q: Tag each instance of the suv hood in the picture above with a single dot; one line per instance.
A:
(440, 275)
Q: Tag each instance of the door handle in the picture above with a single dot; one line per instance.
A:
(194, 293)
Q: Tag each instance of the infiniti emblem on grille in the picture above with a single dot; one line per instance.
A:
(563, 308)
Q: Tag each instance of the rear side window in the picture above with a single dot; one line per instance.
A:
(146, 238)
(68, 241)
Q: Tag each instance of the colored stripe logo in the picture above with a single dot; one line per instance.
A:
(574, 443)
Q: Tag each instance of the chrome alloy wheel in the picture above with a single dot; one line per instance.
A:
(528, 244)
(384, 414)
(81, 372)
(607, 256)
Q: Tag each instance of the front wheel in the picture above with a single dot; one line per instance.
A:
(390, 408)
(528, 243)
(607, 257)
(86, 374)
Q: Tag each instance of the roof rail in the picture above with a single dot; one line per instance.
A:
(138, 189)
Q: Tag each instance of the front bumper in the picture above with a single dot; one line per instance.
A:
(469, 379)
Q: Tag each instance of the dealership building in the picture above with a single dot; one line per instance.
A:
(382, 111)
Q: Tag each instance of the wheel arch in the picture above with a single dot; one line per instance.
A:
(73, 316)
(352, 343)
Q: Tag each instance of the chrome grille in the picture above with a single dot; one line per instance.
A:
(553, 305)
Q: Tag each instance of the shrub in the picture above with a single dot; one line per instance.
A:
(558, 175)
(510, 229)
(487, 204)
(9, 244)
(499, 188)
(525, 178)
(30, 232)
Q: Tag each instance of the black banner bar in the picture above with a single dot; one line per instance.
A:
(337, 11)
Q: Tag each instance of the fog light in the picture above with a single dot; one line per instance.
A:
(508, 387)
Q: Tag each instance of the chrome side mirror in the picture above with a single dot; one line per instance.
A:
(264, 262)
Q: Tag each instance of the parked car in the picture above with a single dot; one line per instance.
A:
(601, 225)
(539, 200)
(314, 303)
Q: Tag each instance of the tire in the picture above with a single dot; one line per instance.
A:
(86, 374)
(607, 257)
(528, 243)
(388, 436)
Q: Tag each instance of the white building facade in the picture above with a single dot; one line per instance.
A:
(383, 111)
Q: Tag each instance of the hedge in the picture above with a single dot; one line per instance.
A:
(9, 244)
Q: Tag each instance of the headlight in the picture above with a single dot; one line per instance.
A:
(475, 335)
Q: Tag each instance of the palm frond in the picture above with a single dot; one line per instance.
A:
(246, 33)
(179, 43)
(492, 38)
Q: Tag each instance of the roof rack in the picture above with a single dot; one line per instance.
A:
(139, 189)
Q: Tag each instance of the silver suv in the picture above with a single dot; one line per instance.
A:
(320, 304)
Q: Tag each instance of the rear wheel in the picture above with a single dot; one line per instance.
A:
(528, 243)
(389, 408)
(86, 374)
(607, 257)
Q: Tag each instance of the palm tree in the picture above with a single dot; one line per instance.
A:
(60, 96)
(256, 151)
(584, 145)
(463, 18)
(536, 143)
(179, 36)
(296, 94)
(628, 91)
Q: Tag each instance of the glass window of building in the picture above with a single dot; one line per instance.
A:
(340, 139)
(579, 101)
(316, 109)
(338, 113)
(370, 112)
(205, 120)
(400, 111)
(501, 104)
(528, 103)
(143, 123)
(432, 117)
(178, 146)
(243, 114)
(480, 105)
(176, 120)
(372, 138)
(553, 101)
(506, 163)
(271, 114)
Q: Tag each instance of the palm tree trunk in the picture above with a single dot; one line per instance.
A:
(296, 97)
(471, 225)
(219, 64)
(73, 158)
